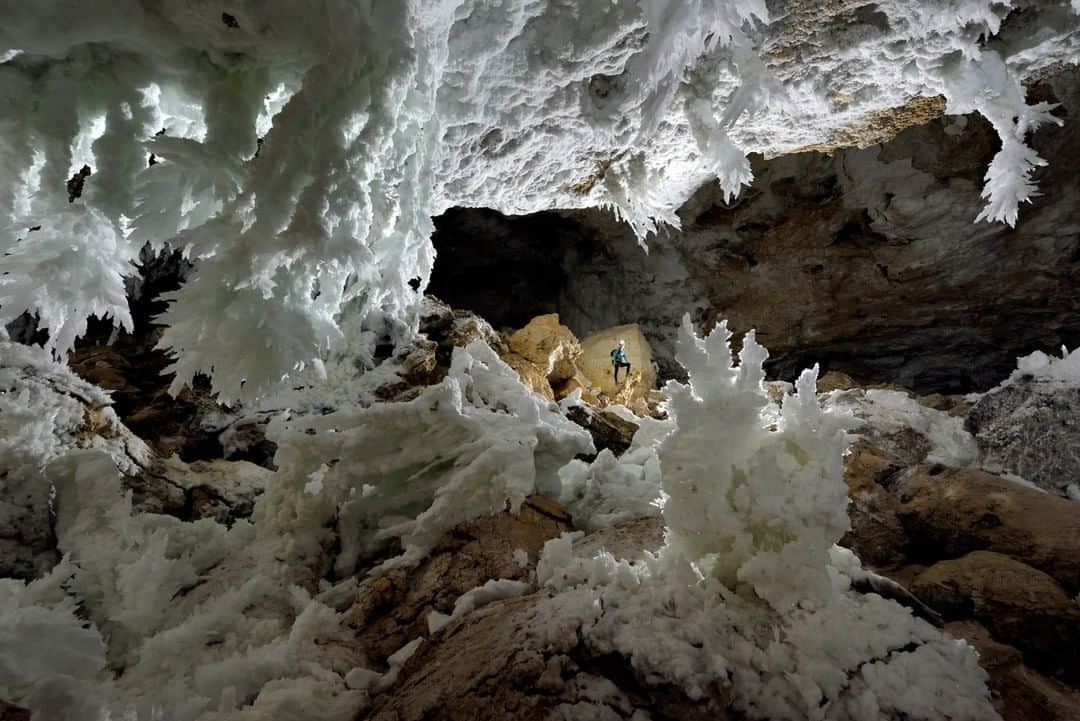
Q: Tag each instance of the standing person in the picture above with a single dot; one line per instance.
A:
(619, 359)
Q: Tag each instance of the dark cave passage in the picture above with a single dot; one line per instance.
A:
(507, 269)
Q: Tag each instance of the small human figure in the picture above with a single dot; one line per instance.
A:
(619, 359)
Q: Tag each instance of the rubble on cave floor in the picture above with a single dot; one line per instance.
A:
(555, 364)
(994, 557)
(1006, 585)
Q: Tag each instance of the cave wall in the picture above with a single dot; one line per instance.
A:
(869, 263)
(866, 261)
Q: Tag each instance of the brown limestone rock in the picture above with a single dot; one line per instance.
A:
(549, 345)
(1018, 604)
(629, 539)
(877, 536)
(836, 381)
(527, 659)
(132, 371)
(607, 429)
(531, 375)
(578, 383)
(1020, 693)
(952, 511)
(392, 610)
(449, 328)
(488, 667)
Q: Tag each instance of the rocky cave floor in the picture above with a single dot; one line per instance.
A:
(993, 557)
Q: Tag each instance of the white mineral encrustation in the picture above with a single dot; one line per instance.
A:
(296, 154)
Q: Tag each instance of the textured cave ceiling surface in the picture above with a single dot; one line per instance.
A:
(307, 147)
(865, 261)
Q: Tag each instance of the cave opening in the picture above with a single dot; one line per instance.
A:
(584, 265)
(865, 262)
(507, 269)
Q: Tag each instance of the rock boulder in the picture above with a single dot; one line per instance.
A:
(1020, 605)
(1021, 694)
(595, 363)
(392, 610)
(527, 659)
(877, 536)
(222, 490)
(949, 512)
(548, 344)
(1031, 428)
(531, 375)
(607, 429)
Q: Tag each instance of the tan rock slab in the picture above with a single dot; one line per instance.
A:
(627, 540)
(578, 383)
(595, 363)
(548, 344)
(531, 375)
